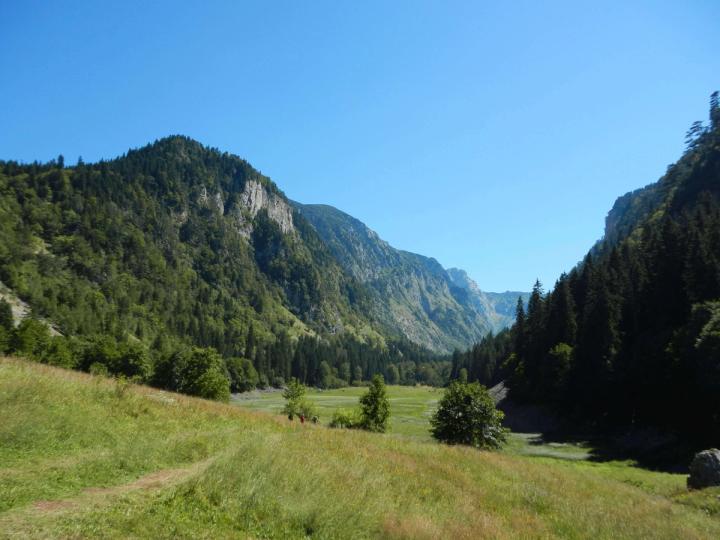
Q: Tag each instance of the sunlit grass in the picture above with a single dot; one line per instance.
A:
(411, 406)
(262, 476)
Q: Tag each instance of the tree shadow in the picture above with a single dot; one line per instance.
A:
(554, 436)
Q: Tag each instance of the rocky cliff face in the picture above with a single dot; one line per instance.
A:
(253, 198)
(412, 294)
(499, 307)
(256, 197)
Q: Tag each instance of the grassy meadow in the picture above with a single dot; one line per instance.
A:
(411, 406)
(84, 456)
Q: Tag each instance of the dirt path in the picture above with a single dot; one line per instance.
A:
(97, 495)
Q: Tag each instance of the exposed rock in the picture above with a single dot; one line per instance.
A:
(255, 197)
(705, 469)
(498, 307)
(411, 294)
(214, 201)
(20, 309)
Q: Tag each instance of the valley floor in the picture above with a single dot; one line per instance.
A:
(83, 456)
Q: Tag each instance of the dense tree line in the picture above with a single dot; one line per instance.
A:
(631, 336)
(485, 361)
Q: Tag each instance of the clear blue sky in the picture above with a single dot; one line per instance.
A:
(491, 136)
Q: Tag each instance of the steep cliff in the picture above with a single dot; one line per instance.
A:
(410, 293)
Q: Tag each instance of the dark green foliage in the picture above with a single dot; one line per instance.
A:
(60, 353)
(7, 325)
(629, 337)
(392, 374)
(296, 404)
(467, 415)
(201, 372)
(375, 407)
(128, 358)
(6, 316)
(4, 340)
(486, 361)
(30, 338)
(243, 375)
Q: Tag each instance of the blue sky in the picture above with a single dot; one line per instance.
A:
(493, 136)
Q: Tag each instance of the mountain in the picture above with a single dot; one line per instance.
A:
(631, 336)
(174, 245)
(173, 227)
(411, 294)
(499, 308)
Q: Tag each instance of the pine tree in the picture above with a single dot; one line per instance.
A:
(6, 316)
(715, 109)
(375, 407)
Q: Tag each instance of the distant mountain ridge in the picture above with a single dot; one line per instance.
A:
(499, 307)
(411, 293)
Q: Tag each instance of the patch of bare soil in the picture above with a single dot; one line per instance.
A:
(154, 480)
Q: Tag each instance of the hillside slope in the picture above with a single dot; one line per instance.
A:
(92, 457)
(410, 293)
(176, 245)
(172, 238)
(630, 337)
(499, 308)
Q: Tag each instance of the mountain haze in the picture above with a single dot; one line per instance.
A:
(412, 294)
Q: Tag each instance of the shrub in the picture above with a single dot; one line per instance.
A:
(59, 353)
(98, 369)
(375, 407)
(201, 372)
(345, 419)
(30, 338)
(467, 415)
(132, 360)
(243, 375)
(6, 316)
(296, 403)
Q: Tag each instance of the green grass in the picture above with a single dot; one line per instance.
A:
(84, 457)
(411, 409)
(411, 406)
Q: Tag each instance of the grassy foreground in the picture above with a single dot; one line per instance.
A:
(85, 457)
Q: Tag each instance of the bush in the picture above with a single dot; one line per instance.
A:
(98, 369)
(6, 316)
(296, 403)
(30, 338)
(375, 407)
(243, 375)
(467, 415)
(132, 360)
(201, 372)
(4, 340)
(59, 353)
(345, 419)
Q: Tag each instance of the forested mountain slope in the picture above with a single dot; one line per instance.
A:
(631, 336)
(176, 244)
(410, 293)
